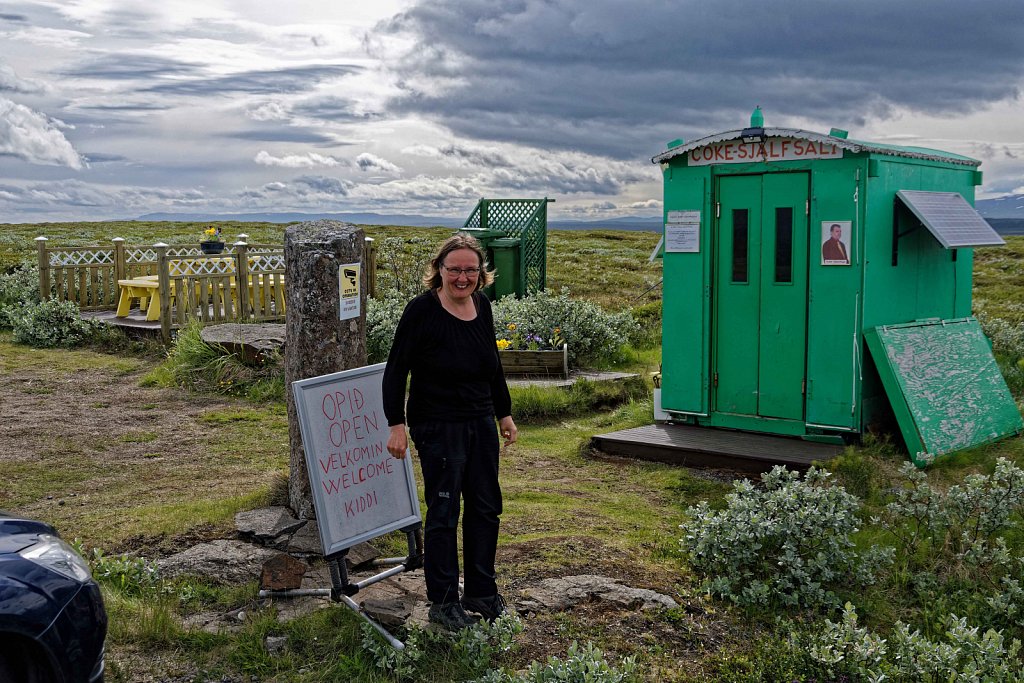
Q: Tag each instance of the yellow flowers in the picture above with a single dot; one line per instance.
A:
(212, 233)
(512, 327)
(503, 344)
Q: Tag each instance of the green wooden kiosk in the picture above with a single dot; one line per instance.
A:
(789, 258)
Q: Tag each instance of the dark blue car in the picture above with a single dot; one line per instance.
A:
(52, 621)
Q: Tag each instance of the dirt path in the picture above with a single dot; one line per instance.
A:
(84, 446)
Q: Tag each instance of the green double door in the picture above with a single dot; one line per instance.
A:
(760, 296)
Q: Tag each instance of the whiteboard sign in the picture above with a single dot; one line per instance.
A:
(682, 232)
(348, 290)
(359, 491)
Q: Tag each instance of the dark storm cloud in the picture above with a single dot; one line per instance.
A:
(20, 18)
(622, 78)
(265, 82)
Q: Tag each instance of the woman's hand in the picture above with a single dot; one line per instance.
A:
(398, 442)
(508, 430)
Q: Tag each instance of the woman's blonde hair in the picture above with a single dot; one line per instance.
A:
(460, 240)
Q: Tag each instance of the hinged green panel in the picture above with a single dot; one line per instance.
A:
(944, 386)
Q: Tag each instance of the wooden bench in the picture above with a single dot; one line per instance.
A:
(146, 290)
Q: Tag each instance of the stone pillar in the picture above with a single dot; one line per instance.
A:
(318, 341)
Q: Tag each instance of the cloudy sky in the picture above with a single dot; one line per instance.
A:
(118, 108)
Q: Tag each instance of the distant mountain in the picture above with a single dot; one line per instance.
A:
(1011, 206)
(1007, 226)
(411, 220)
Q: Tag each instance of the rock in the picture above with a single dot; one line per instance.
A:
(320, 342)
(305, 541)
(394, 600)
(361, 554)
(392, 613)
(267, 525)
(282, 572)
(254, 343)
(552, 595)
(275, 645)
(223, 562)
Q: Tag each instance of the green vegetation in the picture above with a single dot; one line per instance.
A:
(777, 580)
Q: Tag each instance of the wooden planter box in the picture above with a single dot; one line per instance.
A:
(536, 363)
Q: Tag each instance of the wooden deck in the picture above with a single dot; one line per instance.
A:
(693, 446)
(135, 320)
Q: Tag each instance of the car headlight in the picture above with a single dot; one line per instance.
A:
(53, 553)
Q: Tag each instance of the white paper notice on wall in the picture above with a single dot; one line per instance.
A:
(682, 232)
(348, 290)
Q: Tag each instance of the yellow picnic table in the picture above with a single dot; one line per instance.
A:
(146, 289)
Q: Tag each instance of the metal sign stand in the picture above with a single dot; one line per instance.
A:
(342, 589)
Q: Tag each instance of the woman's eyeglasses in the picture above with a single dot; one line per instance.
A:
(456, 272)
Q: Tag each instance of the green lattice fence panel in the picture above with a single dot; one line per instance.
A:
(944, 386)
(522, 219)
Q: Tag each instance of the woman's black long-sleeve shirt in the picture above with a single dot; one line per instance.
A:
(456, 371)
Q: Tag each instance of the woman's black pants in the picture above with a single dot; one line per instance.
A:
(459, 462)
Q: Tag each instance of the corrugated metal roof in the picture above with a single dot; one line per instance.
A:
(852, 145)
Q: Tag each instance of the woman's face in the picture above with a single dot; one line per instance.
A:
(460, 272)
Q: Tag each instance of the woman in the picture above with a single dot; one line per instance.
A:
(445, 339)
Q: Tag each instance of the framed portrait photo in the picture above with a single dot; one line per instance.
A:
(836, 237)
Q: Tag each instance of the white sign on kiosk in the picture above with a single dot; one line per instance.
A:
(359, 491)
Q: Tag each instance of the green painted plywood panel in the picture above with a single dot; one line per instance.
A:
(944, 386)
(685, 310)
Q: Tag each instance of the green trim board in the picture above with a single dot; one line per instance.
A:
(944, 386)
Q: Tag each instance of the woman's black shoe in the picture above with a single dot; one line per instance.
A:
(489, 608)
(451, 616)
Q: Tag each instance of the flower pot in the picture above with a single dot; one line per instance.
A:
(211, 247)
(536, 363)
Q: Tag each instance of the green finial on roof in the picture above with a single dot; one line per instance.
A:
(757, 118)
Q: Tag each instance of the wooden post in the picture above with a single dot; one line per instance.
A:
(164, 278)
(244, 312)
(44, 269)
(370, 260)
(120, 265)
(318, 341)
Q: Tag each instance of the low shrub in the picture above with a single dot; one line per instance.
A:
(382, 316)
(51, 324)
(595, 337)
(469, 653)
(18, 288)
(785, 543)
(586, 663)
(648, 319)
(401, 264)
(959, 531)
(1008, 348)
(964, 653)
